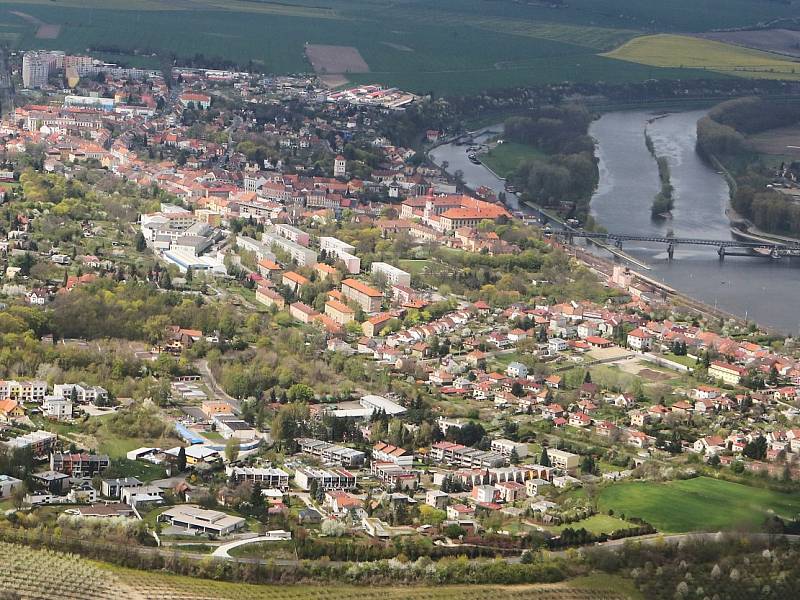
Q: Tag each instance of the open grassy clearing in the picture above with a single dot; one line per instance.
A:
(596, 524)
(700, 504)
(415, 266)
(694, 53)
(504, 159)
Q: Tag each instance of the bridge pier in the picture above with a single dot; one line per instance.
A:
(671, 250)
(721, 252)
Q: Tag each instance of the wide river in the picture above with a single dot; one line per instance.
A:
(761, 289)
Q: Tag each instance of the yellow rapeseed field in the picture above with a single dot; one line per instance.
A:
(666, 50)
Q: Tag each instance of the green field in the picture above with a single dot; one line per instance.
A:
(449, 47)
(596, 524)
(695, 53)
(505, 158)
(700, 504)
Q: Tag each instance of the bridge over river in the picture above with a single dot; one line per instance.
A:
(766, 249)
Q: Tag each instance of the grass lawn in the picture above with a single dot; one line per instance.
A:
(213, 435)
(595, 524)
(499, 362)
(414, 266)
(681, 360)
(505, 158)
(665, 50)
(699, 504)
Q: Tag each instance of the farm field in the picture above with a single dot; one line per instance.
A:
(446, 47)
(29, 573)
(504, 159)
(780, 41)
(699, 504)
(681, 51)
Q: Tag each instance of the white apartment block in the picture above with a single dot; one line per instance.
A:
(84, 394)
(342, 251)
(304, 257)
(506, 447)
(394, 276)
(56, 407)
(298, 236)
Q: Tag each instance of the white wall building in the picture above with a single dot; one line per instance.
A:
(394, 276)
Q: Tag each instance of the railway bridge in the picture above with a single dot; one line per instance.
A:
(724, 247)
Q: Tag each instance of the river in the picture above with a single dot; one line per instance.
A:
(759, 289)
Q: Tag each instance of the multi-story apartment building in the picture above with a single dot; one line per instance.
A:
(393, 275)
(304, 257)
(331, 453)
(268, 477)
(84, 394)
(368, 298)
(40, 442)
(342, 251)
(326, 479)
(36, 68)
(448, 452)
(79, 464)
(23, 391)
(298, 236)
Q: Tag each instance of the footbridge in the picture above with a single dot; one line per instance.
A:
(724, 248)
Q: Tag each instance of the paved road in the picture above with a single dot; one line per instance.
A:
(222, 551)
(211, 381)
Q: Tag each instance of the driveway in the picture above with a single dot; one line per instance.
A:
(222, 551)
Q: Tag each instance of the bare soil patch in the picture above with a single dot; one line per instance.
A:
(48, 32)
(328, 60)
(651, 375)
(334, 81)
(784, 141)
(44, 31)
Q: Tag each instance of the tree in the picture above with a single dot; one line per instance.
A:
(181, 464)
(300, 392)
(756, 449)
(165, 281)
(232, 450)
(588, 465)
(544, 460)
(773, 375)
(141, 244)
(514, 457)
(18, 495)
(256, 496)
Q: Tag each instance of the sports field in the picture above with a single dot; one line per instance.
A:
(700, 504)
(679, 51)
(448, 46)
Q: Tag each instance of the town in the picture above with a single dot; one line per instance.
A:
(240, 319)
